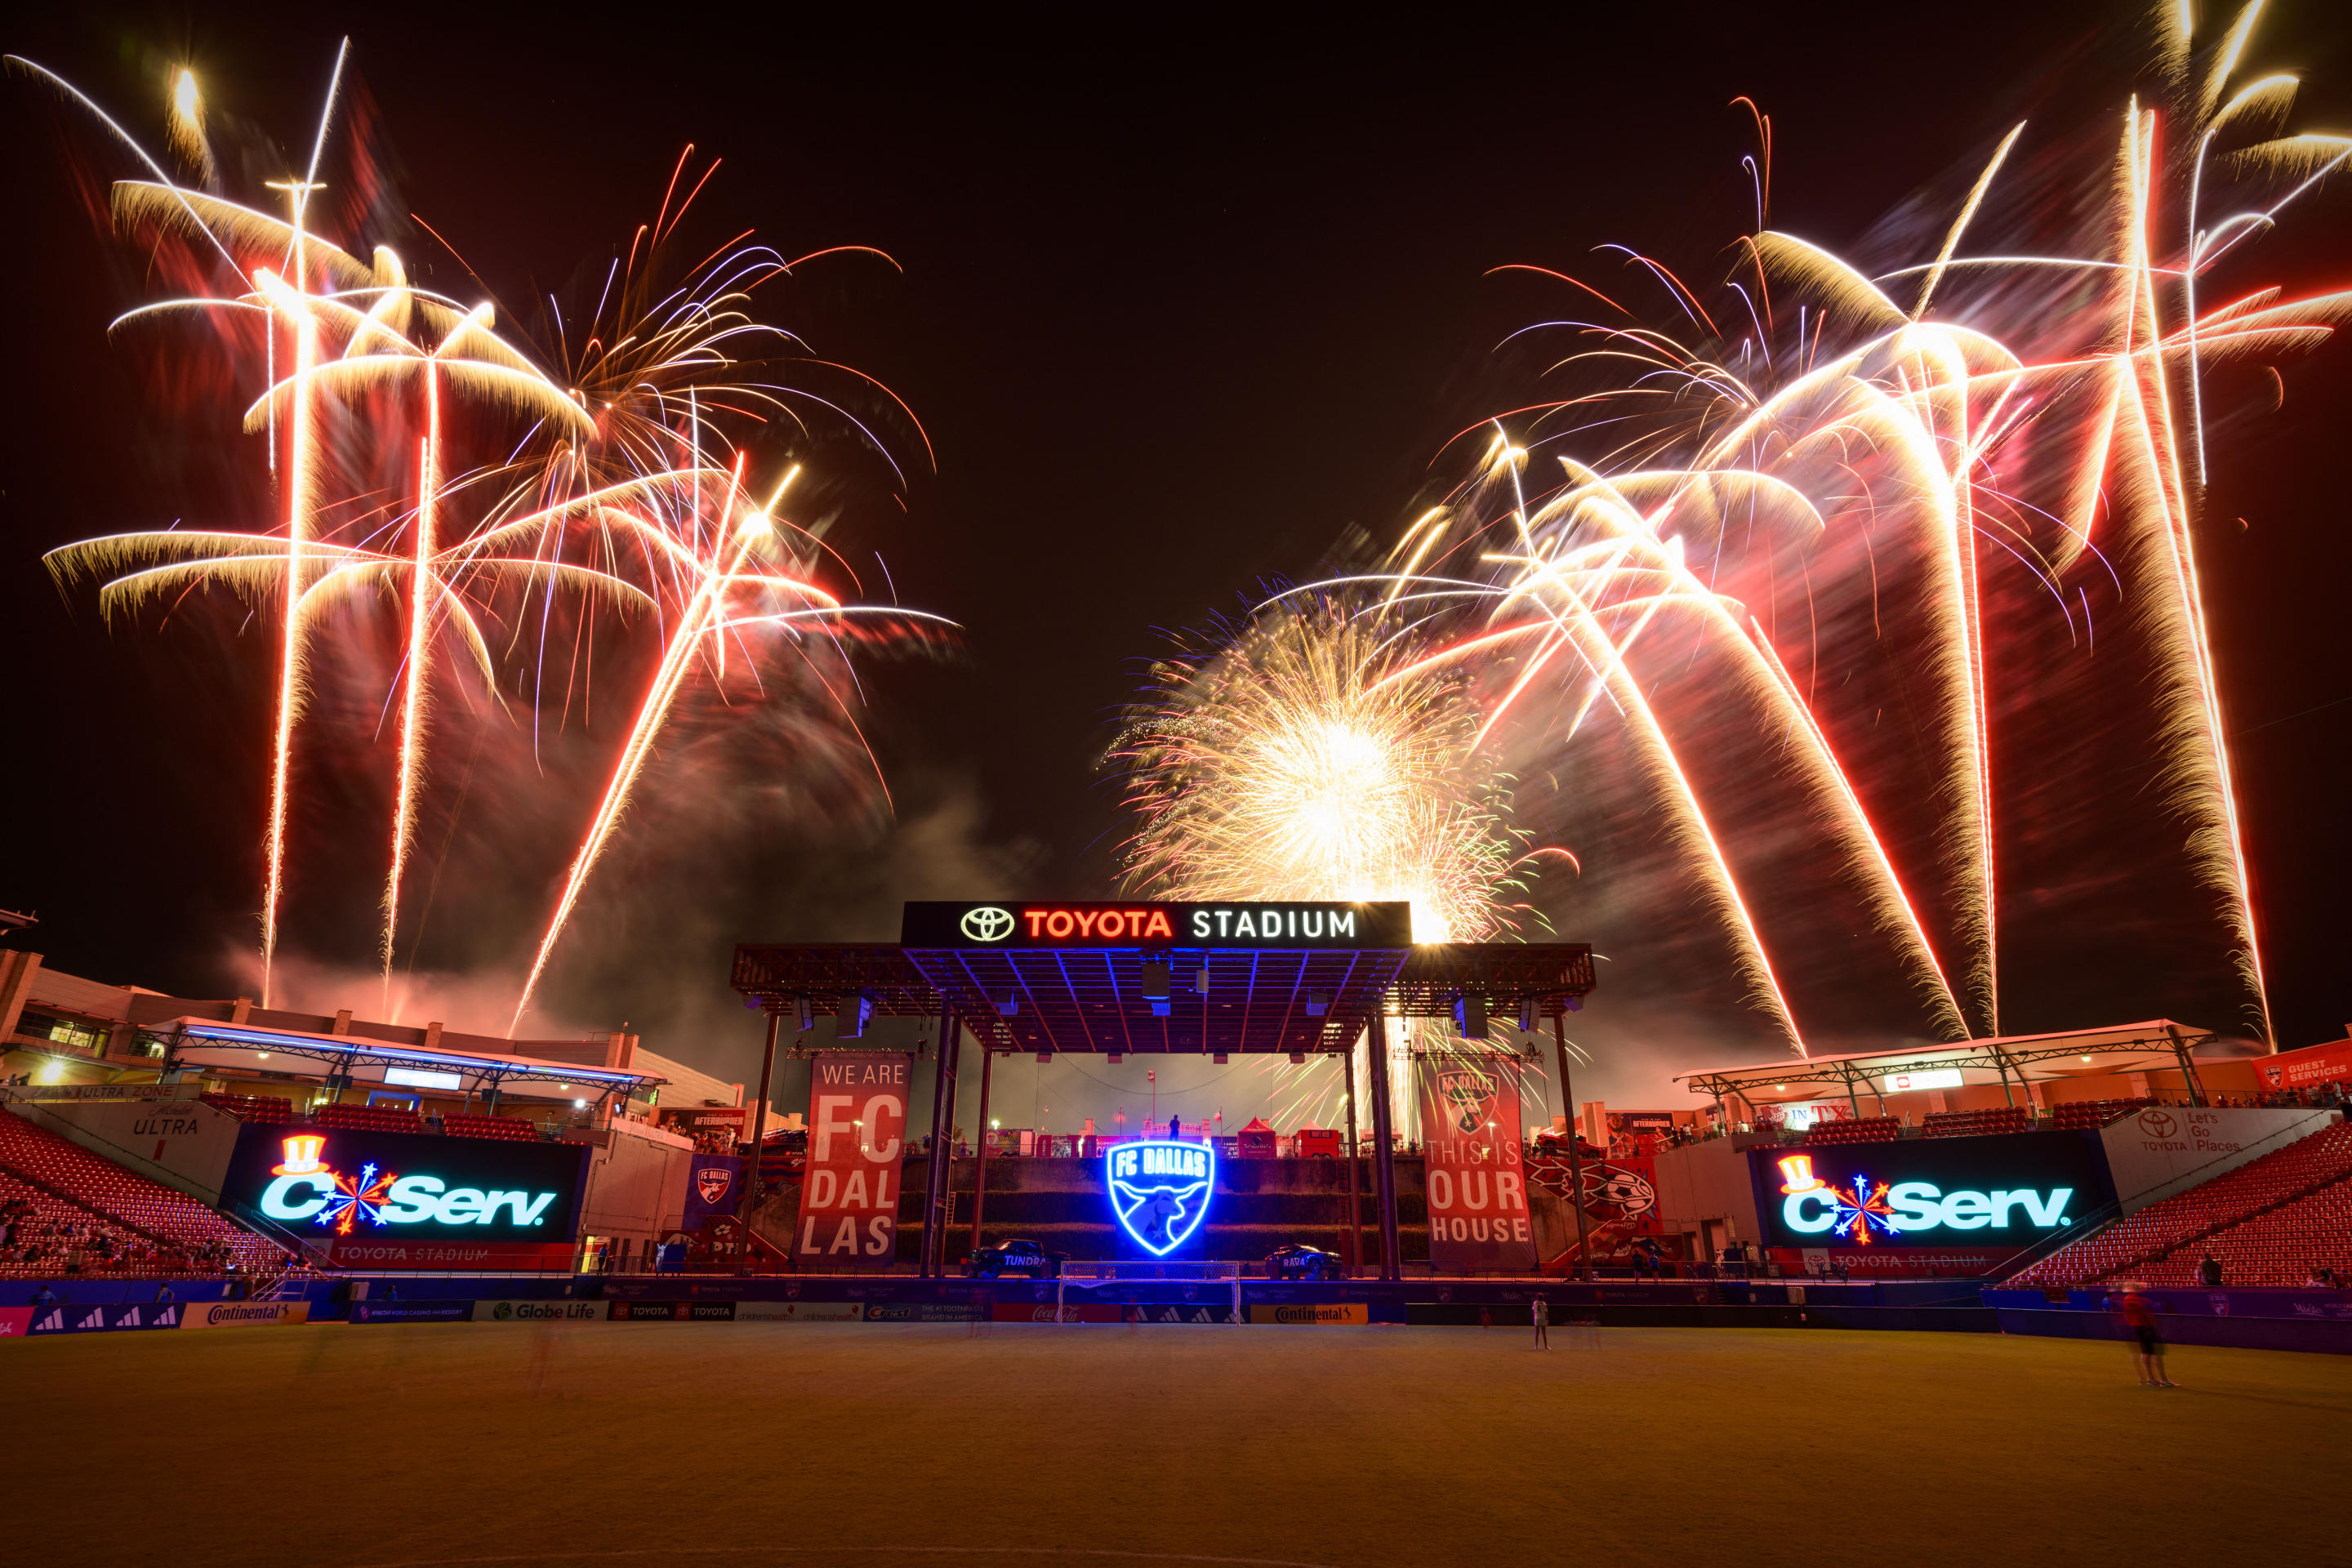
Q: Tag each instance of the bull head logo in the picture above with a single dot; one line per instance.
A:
(1468, 1093)
(1160, 1191)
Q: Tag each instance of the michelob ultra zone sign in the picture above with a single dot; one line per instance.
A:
(346, 1185)
(1152, 925)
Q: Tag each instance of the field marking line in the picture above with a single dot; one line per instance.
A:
(676, 1551)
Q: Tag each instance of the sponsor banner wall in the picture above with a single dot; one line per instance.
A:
(408, 1188)
(2007, 1191)
(1953, 1262)
(799, 1311)
(243, 1314)
(713, 1187)
(857, 1137)
(104, 1317)
(538, 1312)
(2168, 1149)
(16, 1322)
(443, 1311)
(1474, 1181)
(508, 1256)
(674, 1311)
(1312, 1312)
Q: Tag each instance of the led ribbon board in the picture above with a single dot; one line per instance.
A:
(1154, 925)
(1160, 1191)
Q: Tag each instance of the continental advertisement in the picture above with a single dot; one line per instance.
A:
(1310, 1312)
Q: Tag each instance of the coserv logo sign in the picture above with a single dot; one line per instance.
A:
(1868, 1210)
(305, 1188)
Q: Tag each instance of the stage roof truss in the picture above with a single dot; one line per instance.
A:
(2035, 1058)
(1073, 998)
(347, 1051)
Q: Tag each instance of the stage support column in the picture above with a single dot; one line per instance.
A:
(1575, 1158)
(1355, 1172)
(932, 1186)
(980, 1166)
(2188, 1078)
(747, 1195)
(1384, 1148)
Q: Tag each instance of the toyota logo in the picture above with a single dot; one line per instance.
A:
(988, 923)
(2158, 1123)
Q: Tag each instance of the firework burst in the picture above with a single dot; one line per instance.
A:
(621, 479)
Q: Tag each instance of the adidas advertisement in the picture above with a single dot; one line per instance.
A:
(65, 1318)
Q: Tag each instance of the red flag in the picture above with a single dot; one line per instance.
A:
(857, 1137)
(1476, 1183)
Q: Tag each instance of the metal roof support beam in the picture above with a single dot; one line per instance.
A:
(1383, 1149)
(1575, 1156)
(936, 1182)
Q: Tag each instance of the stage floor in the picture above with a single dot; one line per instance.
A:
(1025, 1446)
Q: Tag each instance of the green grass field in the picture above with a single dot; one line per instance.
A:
(1021, 1446)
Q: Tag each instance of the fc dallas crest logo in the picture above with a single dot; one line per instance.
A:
(1468, 1093)
(713, 1183)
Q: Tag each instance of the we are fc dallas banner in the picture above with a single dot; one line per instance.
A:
(857, 1137)
(1476, 1183)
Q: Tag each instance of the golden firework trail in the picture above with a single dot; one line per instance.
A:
(2005, 434)
(608, 497)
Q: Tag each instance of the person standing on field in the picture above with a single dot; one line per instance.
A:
(2140, 1323)
(1543, 1323)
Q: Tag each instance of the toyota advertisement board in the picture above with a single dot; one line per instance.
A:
(412, 1199)
(2005, 1192)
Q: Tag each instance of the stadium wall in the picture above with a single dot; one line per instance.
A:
(2168, 1148)
(180, 1142)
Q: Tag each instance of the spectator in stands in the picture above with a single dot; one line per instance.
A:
(2209, 1269)
(2319, 1280)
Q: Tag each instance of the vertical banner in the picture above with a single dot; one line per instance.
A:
(857, 1136)
(1476, 1183)
(712, 1189)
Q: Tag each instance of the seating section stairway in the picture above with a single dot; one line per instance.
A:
(176, 1222)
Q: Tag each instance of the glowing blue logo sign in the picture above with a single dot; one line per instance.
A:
(1160, 1190)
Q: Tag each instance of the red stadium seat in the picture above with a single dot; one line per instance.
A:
(2268, 1221)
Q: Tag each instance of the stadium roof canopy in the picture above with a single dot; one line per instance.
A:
(1290, 978)
(2157, 1044)
(358, 1058)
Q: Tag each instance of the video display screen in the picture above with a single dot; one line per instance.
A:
(2011, 1189)
(337, 1182)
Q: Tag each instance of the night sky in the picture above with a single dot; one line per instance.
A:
(1182, 307)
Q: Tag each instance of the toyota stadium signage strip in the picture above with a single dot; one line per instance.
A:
(1138, 924)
